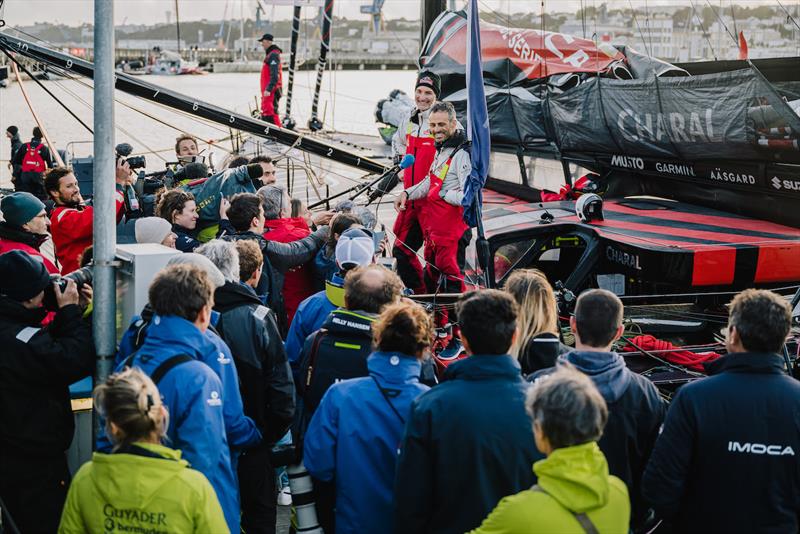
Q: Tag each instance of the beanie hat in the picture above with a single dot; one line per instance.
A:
(431, 80)
(19, 208)
(355, 248)
(22, 276)
(13, 130)
(152, 229)
(195, 170)
(198, 260)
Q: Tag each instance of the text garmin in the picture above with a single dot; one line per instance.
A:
(760, 448)
(623, 258)
(675, 169)
(666, 127)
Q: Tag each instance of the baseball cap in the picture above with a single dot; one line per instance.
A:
(267, 37)
(355, 248)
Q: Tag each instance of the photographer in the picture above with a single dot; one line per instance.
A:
(25, 226)
(37, 365)
(71, 220)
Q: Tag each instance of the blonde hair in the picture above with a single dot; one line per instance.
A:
(537, 306)
(131, 401)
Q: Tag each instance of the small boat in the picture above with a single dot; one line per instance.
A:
(170, 63)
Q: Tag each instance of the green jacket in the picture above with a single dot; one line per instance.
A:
(137, 493)
(572, 480)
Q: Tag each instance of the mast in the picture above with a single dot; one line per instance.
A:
(104, 220)
(178, 26)
(288, 121)
(428, 11)
(314, 124)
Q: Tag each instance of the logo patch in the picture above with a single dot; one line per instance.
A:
(214, 400)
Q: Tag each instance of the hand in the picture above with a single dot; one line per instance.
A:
(384, 246)
(123, 173)
(86, 295)
(322, 217)
(68, 296)
(400, 201)
(224, 204)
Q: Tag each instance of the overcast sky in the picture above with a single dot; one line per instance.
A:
(74, 12)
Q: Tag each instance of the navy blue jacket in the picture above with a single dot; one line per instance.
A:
(727, 457)
(467, 444)
(353, 437)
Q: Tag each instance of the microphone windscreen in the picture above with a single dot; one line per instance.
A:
(407, 161)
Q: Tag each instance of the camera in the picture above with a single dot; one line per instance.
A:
(82, 276)
(124, 150)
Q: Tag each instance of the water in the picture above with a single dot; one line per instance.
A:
(347, 103)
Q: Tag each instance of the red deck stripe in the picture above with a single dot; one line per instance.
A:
(670, 232)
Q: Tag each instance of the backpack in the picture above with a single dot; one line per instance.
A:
(331, 359)
(164, 367)
(33, 160)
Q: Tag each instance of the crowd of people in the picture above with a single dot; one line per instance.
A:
(275, 326)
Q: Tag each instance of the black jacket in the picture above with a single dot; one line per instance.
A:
(16, 142)
(279, 258)
(37, 365)
(249, 329)
(635, 414)
(541, 352)
(468, 443)
(727, 458)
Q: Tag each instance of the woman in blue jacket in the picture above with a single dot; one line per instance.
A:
(355, 433)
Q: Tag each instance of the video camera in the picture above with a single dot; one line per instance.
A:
(124, 150)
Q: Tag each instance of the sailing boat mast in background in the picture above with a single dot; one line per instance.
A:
(288, 121)
(314, 124)
(178, 26)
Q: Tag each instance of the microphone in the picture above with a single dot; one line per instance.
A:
(546, 217)
(389, 179)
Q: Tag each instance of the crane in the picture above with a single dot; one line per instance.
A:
(374, 9)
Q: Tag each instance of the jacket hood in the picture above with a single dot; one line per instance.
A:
(350, 323)
(576, 477)
(14, 233)
(394, 367)
(273, 48)
(131, 481)
(483, 366)
(234, 294)
(606, 369)
(178, 335)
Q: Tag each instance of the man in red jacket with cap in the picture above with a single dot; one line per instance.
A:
(271, 80)
(414, 137)
(71, 220)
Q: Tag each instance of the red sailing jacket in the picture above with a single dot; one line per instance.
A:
(72, 232)
(272, 65)
(298, 284)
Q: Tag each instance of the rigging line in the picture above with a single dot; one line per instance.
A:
(733, 16)
(705, 32)
(496, 15)
(788, 15)
(639, 28)
(46, 90)
(727, 30)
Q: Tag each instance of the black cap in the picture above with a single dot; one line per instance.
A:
(267, 37)
(430, 79)
(13, 130)
(22, 276)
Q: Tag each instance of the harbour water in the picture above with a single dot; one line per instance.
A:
(347, 103)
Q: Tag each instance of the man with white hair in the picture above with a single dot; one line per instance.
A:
(249, 329)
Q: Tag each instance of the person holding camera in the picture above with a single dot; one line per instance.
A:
(71, 220)
(25, 226)
(37, 365)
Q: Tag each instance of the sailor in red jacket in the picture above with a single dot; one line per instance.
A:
(414, 137)
(271, 80)
(71, 221)
(24, 226)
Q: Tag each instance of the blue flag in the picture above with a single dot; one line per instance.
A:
(477, 120)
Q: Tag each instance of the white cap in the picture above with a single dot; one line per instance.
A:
(355, 248)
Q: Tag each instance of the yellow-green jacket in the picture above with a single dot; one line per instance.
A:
(149, 489)
(573, 480)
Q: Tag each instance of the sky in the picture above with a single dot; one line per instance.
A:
(76, 12)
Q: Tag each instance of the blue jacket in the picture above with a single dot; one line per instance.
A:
(325, 267)
(310, 315)
(194, 397)
(353, 440)
(727, 457)
(468, 443)
(241, 431)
